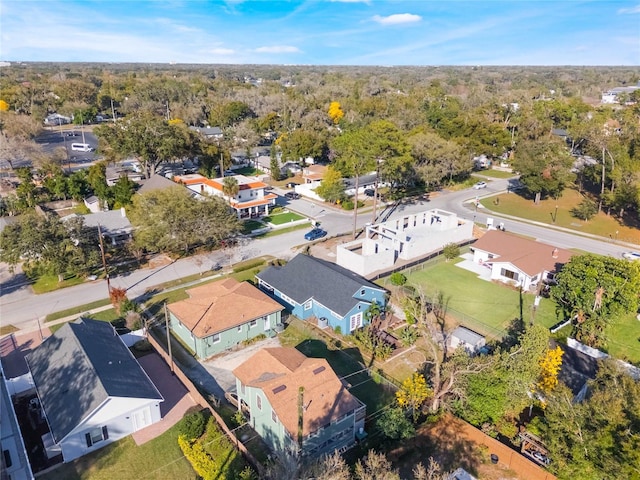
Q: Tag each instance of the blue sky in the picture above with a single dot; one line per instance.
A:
(323, 32)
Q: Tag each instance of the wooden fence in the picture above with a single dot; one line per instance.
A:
(202, 401)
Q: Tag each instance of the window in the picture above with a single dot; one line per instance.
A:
(253, 323)
(509, 274)
(362, 292)
(7, 458)
(274, 417)
(259, 402)
(239, 328)
(96, 435)
(242, 389)
(308, 305)
(356, 321)
(215, 338)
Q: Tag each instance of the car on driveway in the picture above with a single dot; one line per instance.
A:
(314, 234)
(369, 192)
(631, 255)
(480, 185)
(291, 185)
(292, 195)
(232, 398)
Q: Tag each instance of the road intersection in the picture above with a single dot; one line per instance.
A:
(20, 307)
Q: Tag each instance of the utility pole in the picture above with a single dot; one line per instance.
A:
(113, 111)
(166, 324)
(104, 260)
(300, 417)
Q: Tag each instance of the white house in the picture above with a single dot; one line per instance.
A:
(91, 388)
(611, 96)
(251, 200)
(405, 238)
(517, 260)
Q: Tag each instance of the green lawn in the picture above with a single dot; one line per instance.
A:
(483, 306)
(282, 218)
(606, 226)
(76, 310)
(495, 173)
(249, 226)
(159, 459)
(624, 339)
(49, 283)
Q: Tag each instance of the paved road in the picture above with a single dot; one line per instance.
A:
(20, 307)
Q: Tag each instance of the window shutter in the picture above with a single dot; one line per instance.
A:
(88, 437)
(105, 433)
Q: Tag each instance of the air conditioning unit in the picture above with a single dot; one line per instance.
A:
(323, 322)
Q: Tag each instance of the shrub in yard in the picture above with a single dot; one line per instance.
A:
(192, 425)
(394, 424)
(248, 265)
(200, 460)
(451, 251)
(338, 330)
(408, 336)
(585, 211)
(397, 279)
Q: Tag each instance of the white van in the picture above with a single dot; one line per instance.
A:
(81, 147)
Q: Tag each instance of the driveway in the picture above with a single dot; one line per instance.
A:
(176, 397)
(222, 366)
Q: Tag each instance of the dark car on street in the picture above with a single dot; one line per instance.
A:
(292, 195)
(314, 234)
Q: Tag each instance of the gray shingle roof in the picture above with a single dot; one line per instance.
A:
(111, 221)
(156, 182)
(79, 367)
(468, 336)
(306, 277)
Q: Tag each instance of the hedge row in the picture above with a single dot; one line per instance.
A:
(201, 461)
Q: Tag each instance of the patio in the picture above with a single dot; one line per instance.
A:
(483, 271)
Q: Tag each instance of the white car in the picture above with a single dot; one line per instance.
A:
(480, 185)
(631, 255)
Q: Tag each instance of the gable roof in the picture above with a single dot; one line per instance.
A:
(467, 335)
(306, 277)
(110, 221)
(79, 367)
(280, 372)
(528, 255)
(156, 182)
(222, 305)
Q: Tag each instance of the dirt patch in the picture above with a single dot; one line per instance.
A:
(159, 261)
(454, 443)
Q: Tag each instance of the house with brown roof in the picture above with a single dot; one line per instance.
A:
(517, 260)
(220, 315)
(252, 199)
(298, 404)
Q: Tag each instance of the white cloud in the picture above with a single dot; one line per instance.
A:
(630, 10)
(278, 49)
(222, 51)
(397, 19)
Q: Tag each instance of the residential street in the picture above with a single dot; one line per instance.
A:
(21, 308)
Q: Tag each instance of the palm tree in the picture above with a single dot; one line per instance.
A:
(230, 188)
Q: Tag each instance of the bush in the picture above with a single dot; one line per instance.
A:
(451, 251)
(192, 425)
(338, 330)
(585, 211)
(408, 336)
(200, 460)
(248, 265)
(398, 279)
(348, 204)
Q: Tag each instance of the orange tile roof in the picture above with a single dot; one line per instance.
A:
(528, 255)
(254, 203)
(280, 372)
(218, 306)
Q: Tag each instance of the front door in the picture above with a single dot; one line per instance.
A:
(141, 419)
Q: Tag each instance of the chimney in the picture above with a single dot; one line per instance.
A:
(123, 212)
(554, 253)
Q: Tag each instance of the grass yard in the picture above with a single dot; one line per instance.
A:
(280, 231)
(495, 173)
(484, 306)
(76, 310)
(159, 459)
(249, 226)
(283, 218)
(602, 225)
(624, 339)
(7, 329)
(49, 283)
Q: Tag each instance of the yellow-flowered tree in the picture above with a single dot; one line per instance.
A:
(335, 112)
(4, 106)
(413, 393)
(550, 365)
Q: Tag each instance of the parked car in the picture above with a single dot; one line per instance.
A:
(314, 234)
(291, 185)
(369, 192)
(232, 398)
(292, 195)
(631, 255)
(480, 185)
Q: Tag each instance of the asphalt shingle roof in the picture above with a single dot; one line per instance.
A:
(79, 367)
(306, 277)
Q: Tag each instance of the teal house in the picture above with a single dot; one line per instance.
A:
(220, 315)
(298, 404)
